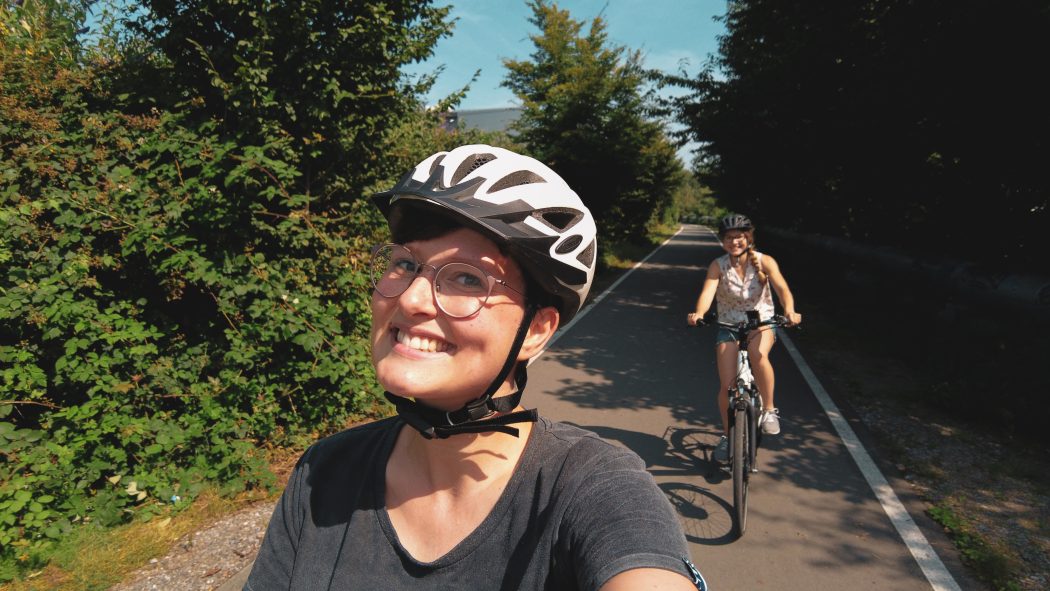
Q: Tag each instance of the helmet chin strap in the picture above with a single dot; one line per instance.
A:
(473, 417)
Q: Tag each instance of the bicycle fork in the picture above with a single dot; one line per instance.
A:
(744, 402)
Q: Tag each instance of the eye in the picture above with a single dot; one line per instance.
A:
(403, 265)
(460, 279)
(468, 280)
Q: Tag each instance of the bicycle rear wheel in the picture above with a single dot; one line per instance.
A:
(741, 468)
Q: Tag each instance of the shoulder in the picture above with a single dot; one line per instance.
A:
(584, 448)
(767, 260)
(716, 266)
(614, 517)
(581, 464)
(356, 435)
(354, 444)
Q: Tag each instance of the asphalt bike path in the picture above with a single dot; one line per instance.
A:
(632, 371)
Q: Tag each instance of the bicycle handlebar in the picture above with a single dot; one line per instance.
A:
(777, 320)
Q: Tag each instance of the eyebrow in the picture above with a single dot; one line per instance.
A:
(491, 267)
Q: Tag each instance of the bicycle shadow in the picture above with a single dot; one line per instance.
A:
(676, 460)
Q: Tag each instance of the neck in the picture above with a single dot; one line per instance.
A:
(461, 461)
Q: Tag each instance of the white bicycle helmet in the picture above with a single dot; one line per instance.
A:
(516, 201)
(524, 206)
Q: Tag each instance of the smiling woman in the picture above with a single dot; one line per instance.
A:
(491, 251)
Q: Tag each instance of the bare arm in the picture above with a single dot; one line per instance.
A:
(707, 293)
(638, 579)
(787, 300)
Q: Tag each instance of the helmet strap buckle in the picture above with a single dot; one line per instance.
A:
(475, 410)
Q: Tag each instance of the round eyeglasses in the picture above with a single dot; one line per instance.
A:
(460, 290)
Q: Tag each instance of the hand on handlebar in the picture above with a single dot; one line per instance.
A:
(793, 319)
(694, 319)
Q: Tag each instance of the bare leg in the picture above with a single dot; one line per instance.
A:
(758, 351)
(725, 358)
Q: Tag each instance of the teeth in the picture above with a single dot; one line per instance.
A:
(422, 343)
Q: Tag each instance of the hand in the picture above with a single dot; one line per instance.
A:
(694, 319)
(794, 318)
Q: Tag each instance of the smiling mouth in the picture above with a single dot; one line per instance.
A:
(425, 344)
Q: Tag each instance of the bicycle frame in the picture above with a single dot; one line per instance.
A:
(744, 397)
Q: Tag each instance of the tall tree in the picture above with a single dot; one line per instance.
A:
(883, 121)
(585, 114)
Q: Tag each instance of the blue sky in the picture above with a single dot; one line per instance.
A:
(670, 33)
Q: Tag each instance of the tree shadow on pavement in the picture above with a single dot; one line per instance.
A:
(634, 352)
(674, 460)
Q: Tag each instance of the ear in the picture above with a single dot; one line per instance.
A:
(544, 324)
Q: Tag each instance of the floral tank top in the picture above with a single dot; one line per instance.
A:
(736, 295)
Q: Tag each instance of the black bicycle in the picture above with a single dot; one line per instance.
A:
(745, 407)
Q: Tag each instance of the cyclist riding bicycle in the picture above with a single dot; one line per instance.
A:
(464, 488)
(739, 281)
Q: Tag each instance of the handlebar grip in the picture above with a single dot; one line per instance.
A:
(708, 318)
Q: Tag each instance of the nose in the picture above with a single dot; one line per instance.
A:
(418, 298)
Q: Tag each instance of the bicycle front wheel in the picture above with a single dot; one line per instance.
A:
(741, 469)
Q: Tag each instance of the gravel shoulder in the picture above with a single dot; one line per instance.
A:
(993, 491)
(206, 559)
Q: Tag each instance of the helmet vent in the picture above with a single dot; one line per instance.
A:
(469, 165)
(521, 177)
(569, 244)
(435, 164)
(587, 255)
(558, 219)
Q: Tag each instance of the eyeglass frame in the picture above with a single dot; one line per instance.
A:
(492, 281)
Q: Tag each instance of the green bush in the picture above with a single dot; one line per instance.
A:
(167, 303)
(179, 290)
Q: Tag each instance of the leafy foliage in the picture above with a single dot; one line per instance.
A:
(584, 113)
(884, 122)
(323, 74)
(181, 248)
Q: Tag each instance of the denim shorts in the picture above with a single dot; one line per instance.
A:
(728, 336)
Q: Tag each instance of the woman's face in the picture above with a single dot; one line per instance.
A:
(735, 242)
(420, 352)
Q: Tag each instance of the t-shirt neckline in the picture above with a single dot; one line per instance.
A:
(475, 538)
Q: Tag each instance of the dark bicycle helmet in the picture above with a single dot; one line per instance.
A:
(524, 206)
(734, 221)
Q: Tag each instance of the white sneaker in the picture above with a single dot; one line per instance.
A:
(770, 422)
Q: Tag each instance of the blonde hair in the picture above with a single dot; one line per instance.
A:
(753, 257)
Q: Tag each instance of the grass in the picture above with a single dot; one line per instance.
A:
(94, 559)
(989, 563)
(618, 257)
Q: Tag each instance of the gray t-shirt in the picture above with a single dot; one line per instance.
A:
(577, 511)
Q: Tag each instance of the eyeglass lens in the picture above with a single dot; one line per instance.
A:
(459, 289)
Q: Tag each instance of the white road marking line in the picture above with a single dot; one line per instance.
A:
(936, 573)
(599, 298)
